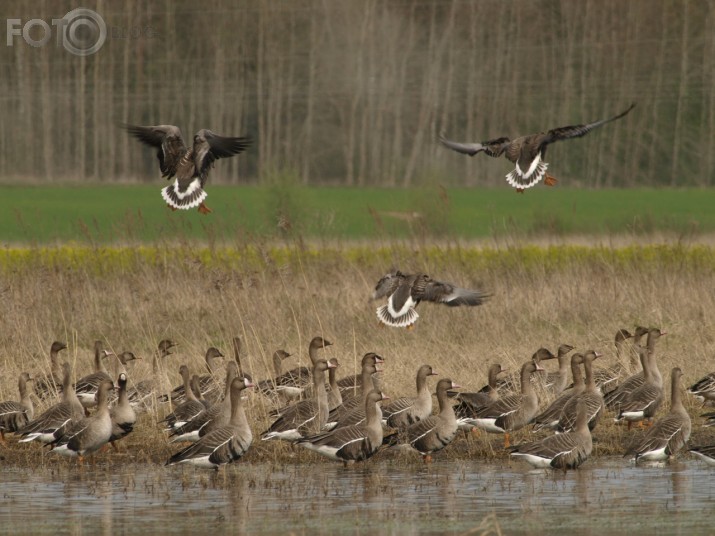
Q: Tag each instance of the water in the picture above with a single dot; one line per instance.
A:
(605, 496)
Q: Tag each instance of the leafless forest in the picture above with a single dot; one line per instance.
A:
(355, 92)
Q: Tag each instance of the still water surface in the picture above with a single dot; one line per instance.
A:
(606, 496)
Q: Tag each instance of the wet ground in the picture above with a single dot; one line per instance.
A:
(605, 496)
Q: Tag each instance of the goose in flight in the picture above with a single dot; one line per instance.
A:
(404, 292)
(189, 167)
(527, 152)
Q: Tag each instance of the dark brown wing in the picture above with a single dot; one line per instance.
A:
(576, 131)
(167, 139)
(209, 147)
(388, 284)
(493, 148)
(440, 292)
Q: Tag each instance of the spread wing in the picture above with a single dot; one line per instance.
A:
(209, 147)
(576, 131)
(493, 148)
(167, 140)
(440, 292)
(388, 284)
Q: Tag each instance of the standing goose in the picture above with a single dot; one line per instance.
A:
(404, 292)
(705, 453)
(557, 381)
(15, 415)
(352, 410)
(122, 414)
(283, 384)
(643, 402)
(528, 152)
(57, 417)
(207, 382)
(591, 398)
(511, 383)
(512, 412)
(225, 444)
(549, 418)
(704, 389)
(436, 431)
(406, 411)
(188, 409)
(307, 417)
(188, 167)
(87, 386)
(670, 433)
(88, 435)
(560, 451)
(607, 378)
(618, 395)
(335, 397)
(47, 386)
(469, 403)
(143, 392)
(351, 444)
(352, 385)
(213, 417)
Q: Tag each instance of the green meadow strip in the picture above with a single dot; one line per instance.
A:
(117, 259)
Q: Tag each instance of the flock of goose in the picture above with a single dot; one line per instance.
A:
(351, 419)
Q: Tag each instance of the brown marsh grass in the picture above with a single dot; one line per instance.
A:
(280, 298)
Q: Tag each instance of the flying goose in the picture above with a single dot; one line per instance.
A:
(188, 409)
(14, 415)
(528, 152)
(705, 453)
(560, 451)
(207, 382)
(436, 431)
(406, 411)
(356, 443)
(549, 418)
(188, 167)
(307, 417)
(591, 398)
(670, 433)
(48, 385)
(57, 417)
(405, 291)
(141, 395)
(225, 444)
(122, 413)
(87, 435)
(469, 403)
(512, 412)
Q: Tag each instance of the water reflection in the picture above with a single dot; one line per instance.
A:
(389, 497)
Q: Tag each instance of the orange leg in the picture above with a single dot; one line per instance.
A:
(549, 180)
(519, 190)
(410, 327)
(172, 208)
(506, 440)
(427, 458)
(204, 209)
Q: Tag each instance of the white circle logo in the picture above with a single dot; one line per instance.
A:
(83, 32)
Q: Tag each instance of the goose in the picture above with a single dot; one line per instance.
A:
(556, 382)
(352, 410)
(335, 398)
(705, 453)
(307, 416)
(704, 389)
(436, 431)
(188, 167)
(527, 152)
(406, 411)
(211, 418)
(512, 412)
(710, 418)
(404, 292)
(207, 383)
(560, 451)
(549, 418)
(86, 387)
(143, 392)
(57, 417)
(591, 399)
(122, 414)
(284, 385)
(607, 378)
(643, 402)
(469, 403)
(670, 433)
(15, 415)
(225, 444)
(89, 434)
(618, 395)
(351, 385)
(188, 409)
(47, 386)
(511, 383)
(356, 443)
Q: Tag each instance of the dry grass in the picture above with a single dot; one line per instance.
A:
(282, 298)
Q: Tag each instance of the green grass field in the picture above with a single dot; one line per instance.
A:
(136, 213)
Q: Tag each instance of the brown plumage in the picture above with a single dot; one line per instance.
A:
(208, 385)
(16, 414)
(48, 385)
(528, 152)
(406, 411)
(549, 418)
(469, 403)
(189, 167)
(591, 398)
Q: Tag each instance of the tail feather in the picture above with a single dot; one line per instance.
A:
(402, 321)
(192, 198)
(524, 181)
